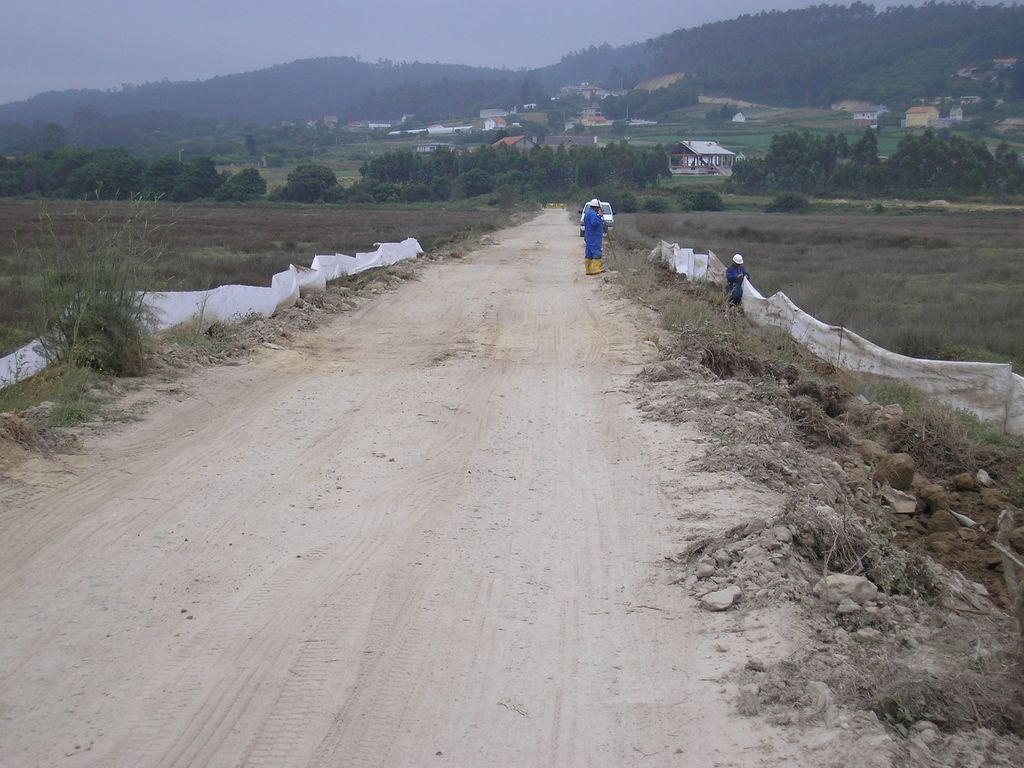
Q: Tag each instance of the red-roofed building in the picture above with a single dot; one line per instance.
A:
(523, 143)
(921, 117)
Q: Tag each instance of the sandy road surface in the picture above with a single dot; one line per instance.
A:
(428, 534)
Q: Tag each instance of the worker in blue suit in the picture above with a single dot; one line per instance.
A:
(593, 234)
(734, 276)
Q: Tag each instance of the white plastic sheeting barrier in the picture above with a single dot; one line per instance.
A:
(699, 267)
(339, 265)
(230, 303)
(991, 391)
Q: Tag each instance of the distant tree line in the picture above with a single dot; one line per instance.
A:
(116, 173)
(820, 54)
(929, 162)
(405, 176)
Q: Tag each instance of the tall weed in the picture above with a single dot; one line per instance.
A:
(92, 286)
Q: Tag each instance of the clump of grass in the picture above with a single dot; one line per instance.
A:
(91, 292)
(77, 394)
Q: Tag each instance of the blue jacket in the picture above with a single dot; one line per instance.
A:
(593, 229)
(734, 276)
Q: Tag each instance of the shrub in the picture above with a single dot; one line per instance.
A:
(628, 202)
(655, 204)
(92, 289)
(702, 200)
(788, 202)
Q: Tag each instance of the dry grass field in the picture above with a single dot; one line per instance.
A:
(206, 246)
(944, 285)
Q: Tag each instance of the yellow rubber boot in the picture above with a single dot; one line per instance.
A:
(595, 267)
(588, 266)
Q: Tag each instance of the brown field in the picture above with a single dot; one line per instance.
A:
(207, 245)
(944, 285)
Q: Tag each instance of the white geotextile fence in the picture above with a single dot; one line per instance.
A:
(230, 303)
(991, 391)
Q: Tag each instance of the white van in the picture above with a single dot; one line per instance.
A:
(606, 212)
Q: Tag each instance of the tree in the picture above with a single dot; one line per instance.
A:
(53, 137)
(109, 174)
(244, 185)
(309, 183)
(198, 179)
(476, 182)
(161, 176)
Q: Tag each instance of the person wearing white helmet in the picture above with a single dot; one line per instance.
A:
(734, 276)
(593, 233)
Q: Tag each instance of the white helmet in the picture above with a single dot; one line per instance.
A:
(595, 203)
(737, 259)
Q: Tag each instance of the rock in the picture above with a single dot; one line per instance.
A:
(966, 534)
(964, 482)
(991, 558)
(892, 412)
(943, 520)
(847, 606)
(934, 497)
(837, 587)
(782, 534)
(754, 553)
(944, 543)
(722, 600)
(704, 570)
(871, 451)
(896, 469)
(821, 492)
(722, 558)
(983, 478)
(901, 503)
(754, 526)
(993, 499)
(729, 410)
(868, 636)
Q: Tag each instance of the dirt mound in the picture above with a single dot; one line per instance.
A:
(17, 437)
(932, 655)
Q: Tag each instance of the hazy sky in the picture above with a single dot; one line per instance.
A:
(60, 44)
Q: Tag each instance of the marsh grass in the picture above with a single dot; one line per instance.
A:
(211, 245)
(944, 286)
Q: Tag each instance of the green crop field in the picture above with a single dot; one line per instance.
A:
(210, 245)
(945, 285)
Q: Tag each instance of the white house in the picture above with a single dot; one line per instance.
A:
(739, 117)
(433, 146)
(871, 114)
(693, 158)
(494, 123)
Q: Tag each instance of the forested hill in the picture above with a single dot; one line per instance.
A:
(814, 56)
(825, 53)
(304, 88)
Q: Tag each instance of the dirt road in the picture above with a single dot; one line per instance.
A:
(430, 533)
